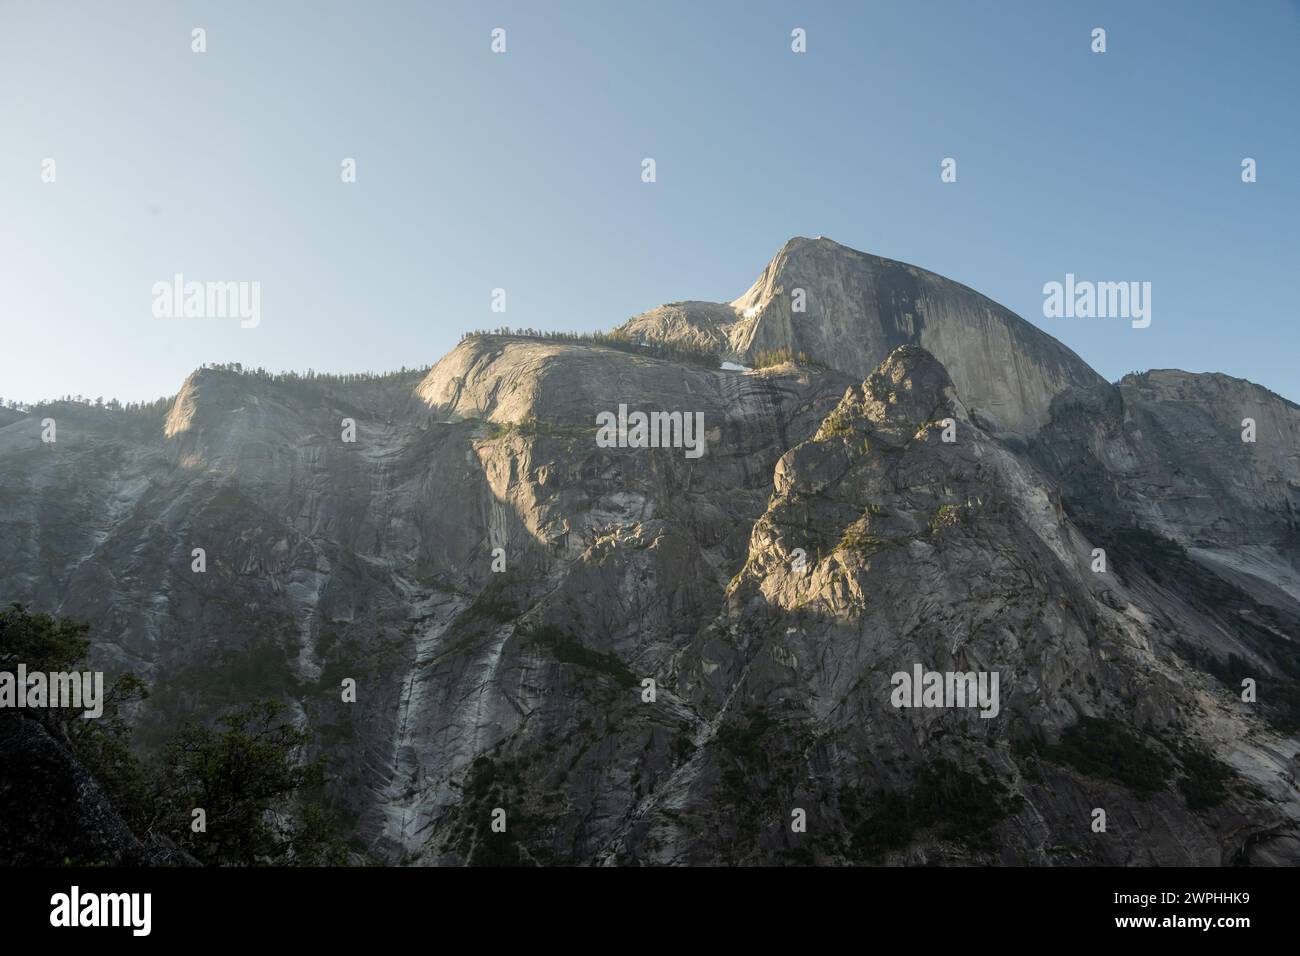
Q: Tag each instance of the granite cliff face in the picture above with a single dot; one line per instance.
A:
(931, 491)
(850, 310)
(1165, 450)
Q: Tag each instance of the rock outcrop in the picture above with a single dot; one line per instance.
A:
(646, 657)
(55, 813)
(850, 310)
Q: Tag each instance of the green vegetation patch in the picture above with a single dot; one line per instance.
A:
(495, 603)
(248, 770)
(743, 743)
(1105, 748)
(567, 649)
(955, 803)
(1205, 781)
(679, 352)
(947, 516)
(532, 427)
(856, 538)
(766, 358)
(838, 422)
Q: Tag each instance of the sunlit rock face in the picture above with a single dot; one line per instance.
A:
(647, 657)
(849, 310)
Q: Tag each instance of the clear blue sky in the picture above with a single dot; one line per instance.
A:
(522, 170)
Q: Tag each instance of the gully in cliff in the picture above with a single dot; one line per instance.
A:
(651, 430)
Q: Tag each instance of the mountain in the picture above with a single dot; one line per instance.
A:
(935, 487)
(850, 310)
